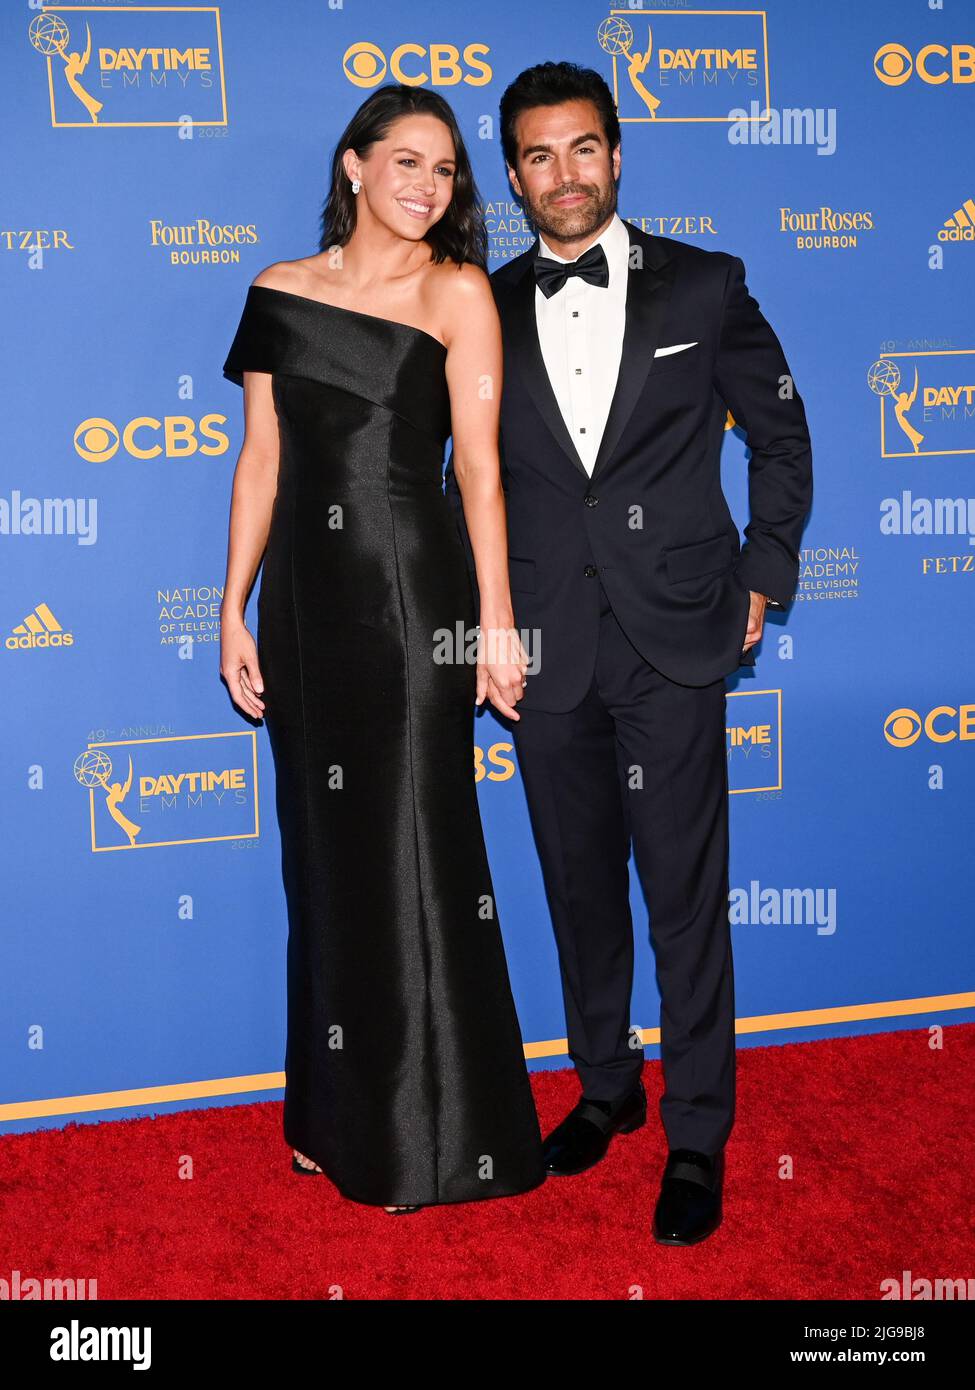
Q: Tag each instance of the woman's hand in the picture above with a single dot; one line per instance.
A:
(502, 667)
(239, 666)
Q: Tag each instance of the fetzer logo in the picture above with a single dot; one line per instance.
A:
(39, 629)
(132, 65)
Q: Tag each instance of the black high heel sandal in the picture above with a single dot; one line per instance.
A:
(297, 1167)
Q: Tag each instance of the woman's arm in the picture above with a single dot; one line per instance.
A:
(254, 488)
(472, 331)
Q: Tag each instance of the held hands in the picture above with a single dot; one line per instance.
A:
(502, 669)
(502, 678)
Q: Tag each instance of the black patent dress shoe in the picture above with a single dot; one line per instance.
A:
(582, 1138)
(689, 1206)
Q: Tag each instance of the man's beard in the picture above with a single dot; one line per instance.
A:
(573, 223)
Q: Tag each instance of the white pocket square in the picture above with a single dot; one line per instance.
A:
(676, 347)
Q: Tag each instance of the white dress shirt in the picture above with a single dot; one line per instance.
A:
(580, 333)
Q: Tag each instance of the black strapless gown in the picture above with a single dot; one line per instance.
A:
(405, 1071)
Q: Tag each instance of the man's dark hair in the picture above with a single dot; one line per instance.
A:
(549, 84)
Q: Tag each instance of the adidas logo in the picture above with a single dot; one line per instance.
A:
(960, 226)
(39, 629)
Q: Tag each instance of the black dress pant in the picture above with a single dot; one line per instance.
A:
(641, 759)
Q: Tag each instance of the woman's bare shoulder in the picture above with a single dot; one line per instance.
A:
(284, 275)
(463, 297)
(461, 277)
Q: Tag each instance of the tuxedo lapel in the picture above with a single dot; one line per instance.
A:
(524, 353)
(648, 288)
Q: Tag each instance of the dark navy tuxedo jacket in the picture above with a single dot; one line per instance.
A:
(652, 522)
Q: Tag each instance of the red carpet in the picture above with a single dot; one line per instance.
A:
(878, 1129)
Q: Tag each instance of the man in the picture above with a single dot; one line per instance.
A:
(622, 354)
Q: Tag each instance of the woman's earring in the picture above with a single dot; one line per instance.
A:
(356, 185)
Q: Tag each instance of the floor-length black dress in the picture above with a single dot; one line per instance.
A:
(405, 1073)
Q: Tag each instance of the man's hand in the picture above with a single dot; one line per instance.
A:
(503, 705)
(756, 619)
(502, 669)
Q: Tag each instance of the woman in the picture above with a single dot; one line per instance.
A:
(406, 1078)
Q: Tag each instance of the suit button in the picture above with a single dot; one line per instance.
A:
(589, 500)
(590, 571)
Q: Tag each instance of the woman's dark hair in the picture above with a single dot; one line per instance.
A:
(549, 84)
(460, 234)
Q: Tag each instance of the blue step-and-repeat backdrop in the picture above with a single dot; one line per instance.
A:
(155, 158)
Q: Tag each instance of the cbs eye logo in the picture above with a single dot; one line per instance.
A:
(442, 64)
(174, 436)
(943, 724)
(894, 65)
(902, 728)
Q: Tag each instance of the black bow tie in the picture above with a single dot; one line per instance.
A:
(551, 275)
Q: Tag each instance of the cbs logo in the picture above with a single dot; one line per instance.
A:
(366, 65)
(893, 64)
(97, 439)
(905, 726)
(505, 768)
